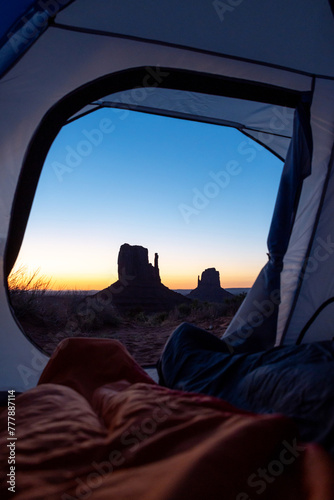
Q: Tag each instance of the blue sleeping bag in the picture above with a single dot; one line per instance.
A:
(297, 381)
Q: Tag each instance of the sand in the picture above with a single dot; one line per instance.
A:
(144, 342)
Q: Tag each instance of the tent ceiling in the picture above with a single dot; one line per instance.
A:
(269, 124)
(296, 34)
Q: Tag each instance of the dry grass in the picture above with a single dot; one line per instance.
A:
(49, 317)
(26, 291)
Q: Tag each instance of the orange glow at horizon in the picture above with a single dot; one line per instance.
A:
(184, 283)
(174, 282)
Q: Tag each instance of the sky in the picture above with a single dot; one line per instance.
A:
(199, 195)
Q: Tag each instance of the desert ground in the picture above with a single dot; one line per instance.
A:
(137, 321)
(50, 319)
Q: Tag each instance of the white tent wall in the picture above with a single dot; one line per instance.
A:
(61, 60)
(21, 362)
(316, 285)
(249, 117)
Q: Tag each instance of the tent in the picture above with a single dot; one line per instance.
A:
(265, 68)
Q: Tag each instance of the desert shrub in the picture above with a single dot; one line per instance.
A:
(173, 315)
(74, 299)
(232, 305)
(84, 317)
(133, 312)
(86, 314)
(198, 311)
(112, 320)
(195, 304)
(26, 291)
(141, 317)
(158, 318)
(184, 310)
(91, 323)
(206, 311)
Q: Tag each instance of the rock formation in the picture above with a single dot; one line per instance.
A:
(139, 286)
(133, 261)
(208, 288)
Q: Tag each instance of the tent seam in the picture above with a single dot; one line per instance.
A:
(91, 31)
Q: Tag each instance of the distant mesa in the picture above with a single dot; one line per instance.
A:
(139, 286)
(209, 289)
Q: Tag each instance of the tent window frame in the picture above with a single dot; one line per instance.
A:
(72, 103)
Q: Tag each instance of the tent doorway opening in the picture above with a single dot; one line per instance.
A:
(197, 195)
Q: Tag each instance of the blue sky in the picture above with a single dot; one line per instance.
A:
(199, 195)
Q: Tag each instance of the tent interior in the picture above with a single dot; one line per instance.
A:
(266, 69)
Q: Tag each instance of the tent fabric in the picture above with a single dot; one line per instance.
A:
(21, 25)
(91, 431)
(303, 250)
(296, 381)
(255, 326)
(249, 117)
(236, 58)
(231, 28)
(11, 12)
